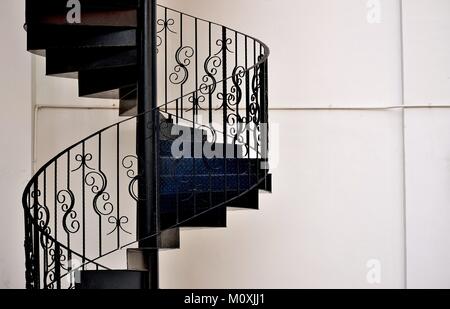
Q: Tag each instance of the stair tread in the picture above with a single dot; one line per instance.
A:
(45, 37)
(88, 18)
(86, 4)
(216, 166)
(94, 83)
(205, 200)
(128, 103)
(188, 217)
(112, 279)
(86, 59)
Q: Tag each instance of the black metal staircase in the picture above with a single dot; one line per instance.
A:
(195, 143)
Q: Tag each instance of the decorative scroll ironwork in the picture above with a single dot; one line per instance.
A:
(180, 72)
(164, 25)
(224, 44)
(211, 66)
(130, 163)
(83, 161)
(98, 182)
(67, 200)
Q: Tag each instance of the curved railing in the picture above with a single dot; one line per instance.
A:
(80, 207)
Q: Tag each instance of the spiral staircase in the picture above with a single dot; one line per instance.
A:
(97, 214)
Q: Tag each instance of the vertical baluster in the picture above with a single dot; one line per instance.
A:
(182, 84)
(196, 72)
(263, 120)
(83, 203)
(210, 110)
(236, 60)
(194, 115)
(266, 113)
(118, 181)
(36, 237)
(29, 250)
(44, 238)
(247, 107)
(69, 252)
(210, 96)
(56, 202)
(27, 245)
(57, 258)
(57, 261)
(224, 105)
(100, 244)
(165, 60)
(256, 98)
(176, 111)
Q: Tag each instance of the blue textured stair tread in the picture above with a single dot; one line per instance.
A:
(204, 166)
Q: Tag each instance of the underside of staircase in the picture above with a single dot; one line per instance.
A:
(192, 141)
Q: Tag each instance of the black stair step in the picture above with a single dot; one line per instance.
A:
(138, 258)
(245, 199)
(44, 37)
(128, 103)
(112, 279)
(105, 83)
(266, 185)
(197, 148)
(168, 239)
(92, 12)
(248, 200)
(87, 5)
(197, 218)
(203, 166)
(208, 209)
(70, 60)
(187, 184)
(171, 204)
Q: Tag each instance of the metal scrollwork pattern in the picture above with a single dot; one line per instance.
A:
(255, 107)
(180, 72)
(164, 25)
(98, 182)
(70, 223)
(224, 45)
(83, 161)
(130, 164)
(211, 66)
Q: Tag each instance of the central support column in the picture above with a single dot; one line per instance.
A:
(148, 139)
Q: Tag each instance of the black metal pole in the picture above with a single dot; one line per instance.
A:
(148, 138)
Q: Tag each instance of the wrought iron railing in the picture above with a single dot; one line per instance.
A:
(80, 207)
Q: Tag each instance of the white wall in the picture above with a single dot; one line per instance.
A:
(338, 191)
(15, 140)
(427, 52)
(428, 196)
(427, 82)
